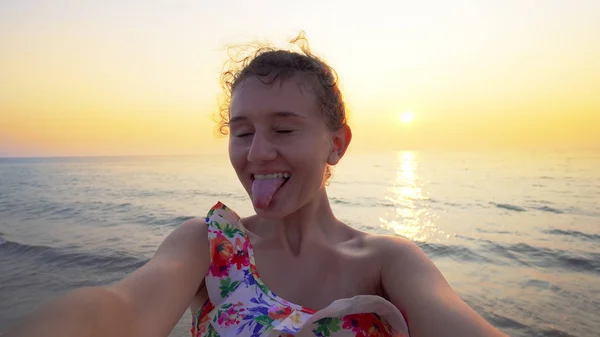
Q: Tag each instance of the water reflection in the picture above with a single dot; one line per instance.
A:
(412, 217)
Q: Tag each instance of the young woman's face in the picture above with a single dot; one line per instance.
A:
(279, 144)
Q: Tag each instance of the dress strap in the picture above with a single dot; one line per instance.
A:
(229, 254)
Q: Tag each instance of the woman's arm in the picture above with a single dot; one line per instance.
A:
(415, 286)
(148, 302)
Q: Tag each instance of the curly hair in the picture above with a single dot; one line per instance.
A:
(269, 64)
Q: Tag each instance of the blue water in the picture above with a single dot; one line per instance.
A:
(517, 235)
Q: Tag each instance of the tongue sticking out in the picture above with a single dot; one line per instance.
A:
(263, 190)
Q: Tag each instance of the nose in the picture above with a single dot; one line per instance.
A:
(262, 149)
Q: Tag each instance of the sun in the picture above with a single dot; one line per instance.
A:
(407, 117)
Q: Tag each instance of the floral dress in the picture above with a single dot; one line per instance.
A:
(240, 304)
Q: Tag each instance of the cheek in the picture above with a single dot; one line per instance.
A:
(237, 157)
(313, 157)
(320, 149)
(307, 150)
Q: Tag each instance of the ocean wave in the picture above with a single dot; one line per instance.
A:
(371, 202)
(552, 332)
(544, 208)
(527, 255)
(220, 195)
(155, 220)
(113, 262)
(504, 322)
(509, 207)
(492, 231)
(340, 201)
(102, 213)
(576, 234)
(63, 212)
(549, 209)
(541, 284)
(362, 202)
(579, 211)
(456, 252)
(180, 219)
(452, 204)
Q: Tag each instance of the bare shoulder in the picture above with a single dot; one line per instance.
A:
(392, 254)
(195, 227)
(413, 283)
(393, 244)
(384, 247)
(406, 269)
(191, 237)
(397, 250)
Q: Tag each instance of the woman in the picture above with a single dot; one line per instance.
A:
(287, 126)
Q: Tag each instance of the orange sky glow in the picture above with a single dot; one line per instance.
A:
(83, 78)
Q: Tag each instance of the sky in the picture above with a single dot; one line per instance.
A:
(129, 77)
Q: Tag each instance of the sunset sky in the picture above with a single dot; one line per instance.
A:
(141, 77)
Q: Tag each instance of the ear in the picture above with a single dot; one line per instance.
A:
(340, 141)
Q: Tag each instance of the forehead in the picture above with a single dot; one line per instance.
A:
(254, 98)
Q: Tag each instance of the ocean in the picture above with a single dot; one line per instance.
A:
(516, 234)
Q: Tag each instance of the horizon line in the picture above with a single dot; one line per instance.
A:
(347, 153)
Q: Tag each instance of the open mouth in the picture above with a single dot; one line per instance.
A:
(264, 187)
(285, 175)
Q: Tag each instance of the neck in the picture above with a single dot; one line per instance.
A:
(308, 224)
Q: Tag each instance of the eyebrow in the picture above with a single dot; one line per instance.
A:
(286, 114)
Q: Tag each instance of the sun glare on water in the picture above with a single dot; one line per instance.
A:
(406, 117)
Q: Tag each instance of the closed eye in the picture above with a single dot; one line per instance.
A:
(284, 131)
(242, 135)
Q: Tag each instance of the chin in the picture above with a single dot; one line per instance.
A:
(271, 213)
(275, 211)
